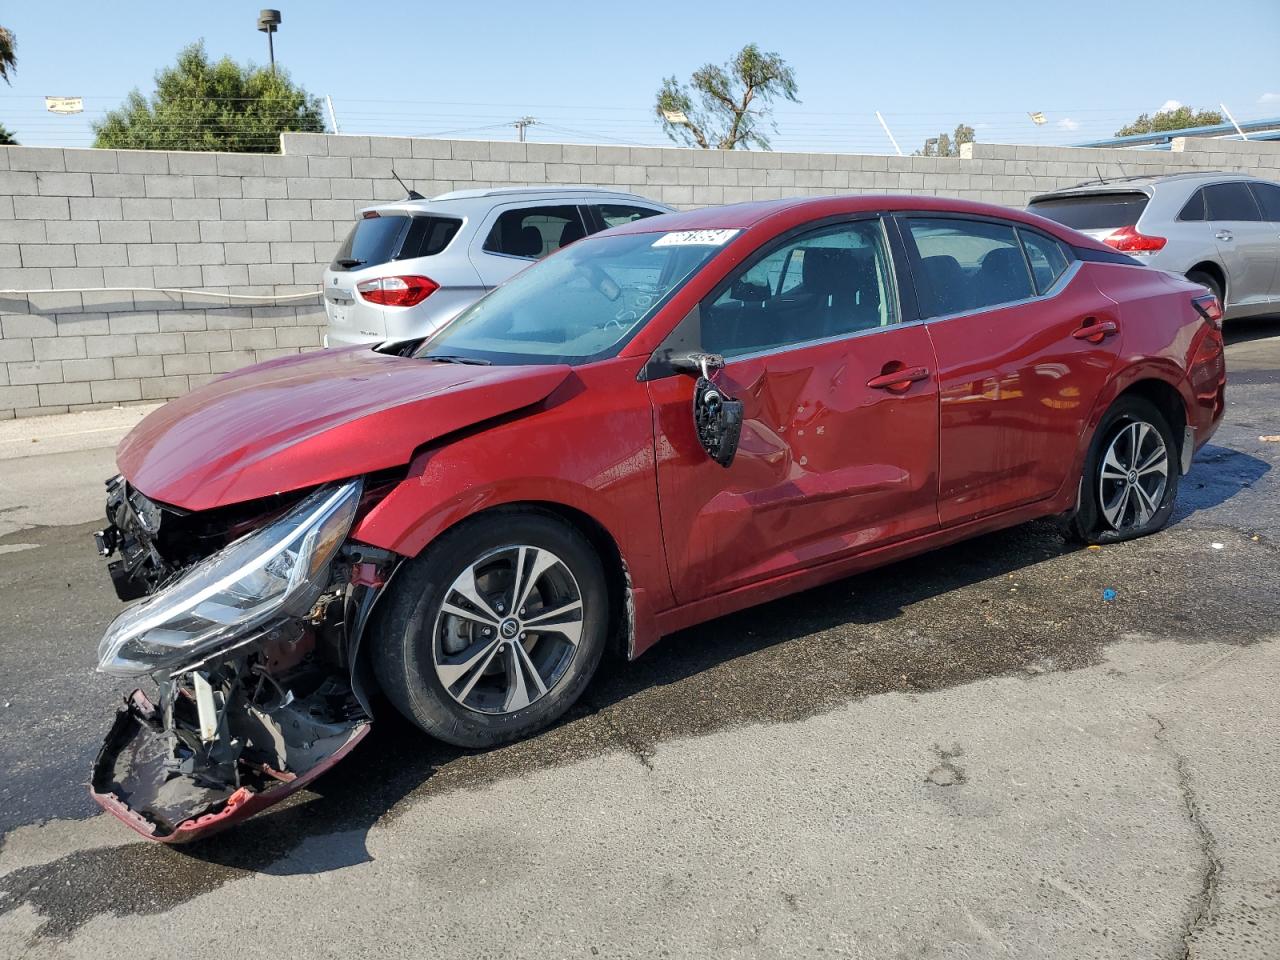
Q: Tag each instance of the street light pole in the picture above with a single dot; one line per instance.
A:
(268, 22)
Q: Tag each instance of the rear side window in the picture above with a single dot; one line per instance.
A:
(1047, 258)
(616, 214)
(967, 265)
(1193, 212)
(534, 232)
(373, 240)
(1230, 201)
(428, 236)
(1268, 195)
(1093, 211)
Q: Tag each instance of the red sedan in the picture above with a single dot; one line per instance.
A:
(660, 424)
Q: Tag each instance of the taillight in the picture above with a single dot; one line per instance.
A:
(1129, 240)
(1207, 306)
(397, 291)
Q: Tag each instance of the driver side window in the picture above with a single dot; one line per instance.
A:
(824, 284)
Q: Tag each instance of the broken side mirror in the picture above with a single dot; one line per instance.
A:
(717, 417)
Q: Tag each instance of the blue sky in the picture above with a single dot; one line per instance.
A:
(589, 71)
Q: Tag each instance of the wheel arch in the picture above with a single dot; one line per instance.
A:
(1215, 270)
(1165, 397)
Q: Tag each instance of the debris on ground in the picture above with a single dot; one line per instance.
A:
(1108, 595)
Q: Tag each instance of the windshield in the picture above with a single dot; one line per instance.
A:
(579, 305)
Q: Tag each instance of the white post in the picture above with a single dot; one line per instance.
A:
(888, 134)
(1233, 121)
(333, 117)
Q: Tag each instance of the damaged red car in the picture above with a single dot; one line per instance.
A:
(658, 425)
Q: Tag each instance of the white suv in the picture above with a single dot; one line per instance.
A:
(1221, 230)
(408, 268)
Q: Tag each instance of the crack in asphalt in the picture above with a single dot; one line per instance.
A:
(1206, 902)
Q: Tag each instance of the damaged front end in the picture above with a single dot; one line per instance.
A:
(250, 629)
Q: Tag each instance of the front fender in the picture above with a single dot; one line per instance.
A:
(591, 453)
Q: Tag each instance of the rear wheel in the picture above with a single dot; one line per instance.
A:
(1131, 475)
(495, 630)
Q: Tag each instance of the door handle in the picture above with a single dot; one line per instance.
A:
(898, 379)
(1095, 331)
(1224, 235)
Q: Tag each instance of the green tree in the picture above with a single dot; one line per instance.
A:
(8, 59)
(6, 138)
(947, 146)
(1181, 118)
(728, 106)
(200, 105)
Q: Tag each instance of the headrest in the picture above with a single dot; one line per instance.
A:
(571, 233)
(528, 243)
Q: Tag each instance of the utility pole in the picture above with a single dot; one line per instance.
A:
(521, 124)
(333, 117)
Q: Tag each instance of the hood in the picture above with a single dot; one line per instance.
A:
(301, 421)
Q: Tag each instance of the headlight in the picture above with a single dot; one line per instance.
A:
(270, 574)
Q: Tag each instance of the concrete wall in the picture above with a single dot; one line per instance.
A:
(262, 228)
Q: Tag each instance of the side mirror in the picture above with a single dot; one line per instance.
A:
(717, 417)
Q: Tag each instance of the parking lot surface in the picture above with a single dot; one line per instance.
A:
(969, 754)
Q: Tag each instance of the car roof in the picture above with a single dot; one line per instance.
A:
(796, 211)
(1143, 182)
(454, 200)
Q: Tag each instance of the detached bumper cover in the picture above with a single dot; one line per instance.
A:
(133, 779)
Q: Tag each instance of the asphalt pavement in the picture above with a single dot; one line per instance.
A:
(968, 754)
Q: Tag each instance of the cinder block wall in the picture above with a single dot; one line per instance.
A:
(261, 228)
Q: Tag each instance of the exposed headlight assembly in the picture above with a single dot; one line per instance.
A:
(274, 573)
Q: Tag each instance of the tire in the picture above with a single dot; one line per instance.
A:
(440, 669)
(1104, 516)
(1208, 280)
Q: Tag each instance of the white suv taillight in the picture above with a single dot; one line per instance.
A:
(397, 291)
(1129, 240)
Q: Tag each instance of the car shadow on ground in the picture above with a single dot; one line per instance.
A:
(1250, 328)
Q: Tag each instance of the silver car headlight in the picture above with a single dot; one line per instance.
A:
(274, 573)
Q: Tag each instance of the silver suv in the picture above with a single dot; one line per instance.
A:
(408, 268)
(1221, 230)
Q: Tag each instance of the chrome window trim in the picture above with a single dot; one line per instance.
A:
(791, 347)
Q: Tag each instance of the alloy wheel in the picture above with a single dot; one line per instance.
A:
(1133, 477)
(508, 629)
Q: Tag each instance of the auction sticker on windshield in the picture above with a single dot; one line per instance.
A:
(695, 238)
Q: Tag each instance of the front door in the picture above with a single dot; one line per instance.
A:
(1024, 345)
(838, 451)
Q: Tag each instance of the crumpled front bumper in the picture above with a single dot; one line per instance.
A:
(132, 778)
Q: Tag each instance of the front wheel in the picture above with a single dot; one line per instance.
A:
(1130, 477)
(495, 630)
